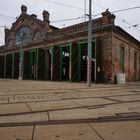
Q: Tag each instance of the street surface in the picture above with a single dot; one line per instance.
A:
(41, 110)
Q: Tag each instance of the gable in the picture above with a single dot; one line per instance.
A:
(30, 26)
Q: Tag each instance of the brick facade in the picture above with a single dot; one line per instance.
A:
(51, 41)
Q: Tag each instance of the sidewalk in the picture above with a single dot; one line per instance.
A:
(69, 111)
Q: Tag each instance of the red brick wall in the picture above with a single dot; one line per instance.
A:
(129, 49)
(107, 57)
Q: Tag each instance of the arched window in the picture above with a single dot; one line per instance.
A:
(23, 35)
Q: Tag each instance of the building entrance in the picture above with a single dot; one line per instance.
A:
(83, 66)
(65, 63)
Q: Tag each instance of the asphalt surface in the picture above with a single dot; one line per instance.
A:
(40, 110)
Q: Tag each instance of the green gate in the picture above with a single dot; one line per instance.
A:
(26, 73)
(135, 66)
(2, 66)
(9, 66)
(41, 64)
(16, 66)
(75, 60)
(56, 63)
(33, 64)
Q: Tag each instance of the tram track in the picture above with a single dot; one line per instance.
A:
(117, 118)
(88, 107)
(32, 116)
(17, 99)
(67, 90)
(47, 97)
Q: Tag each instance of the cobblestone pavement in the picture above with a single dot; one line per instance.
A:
(40, 110)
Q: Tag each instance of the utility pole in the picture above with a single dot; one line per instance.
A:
(89, 56)
(21, 58)
(85, 9)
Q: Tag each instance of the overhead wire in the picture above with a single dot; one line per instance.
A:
(114, 3)
(126, 9)
(4, 26)
(66, 5)
(5, 16)
(121, 10)
(77, 18)
(62, 4)
(136, 25)
(124, 21)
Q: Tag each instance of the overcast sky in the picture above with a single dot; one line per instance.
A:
(69, 9)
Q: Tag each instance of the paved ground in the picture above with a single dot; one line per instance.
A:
(36, 110)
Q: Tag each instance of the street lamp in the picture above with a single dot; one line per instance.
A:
(21, 59)
(89, 56)
(85, 9)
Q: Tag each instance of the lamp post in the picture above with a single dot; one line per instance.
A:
(85, 9)
(21, 59)
(89, 56)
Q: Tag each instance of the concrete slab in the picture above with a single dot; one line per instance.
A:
(93, 101)
(138, 121)
(34, 117)
(127, 98)
(16, 133)
(98, 92)
(3, 99)
(61, 95)
(52, 105)
(32, 98)
(110, 110)
(13, 108)
(2, 92)
(81, 113)
(131, 106)
(65, 132)
(68, 95)
(136, 109)
(118, 130)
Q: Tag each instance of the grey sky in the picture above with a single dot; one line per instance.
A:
(9, 10)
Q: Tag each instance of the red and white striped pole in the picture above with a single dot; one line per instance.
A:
(88, 72)
(95, 67)
(89, 52)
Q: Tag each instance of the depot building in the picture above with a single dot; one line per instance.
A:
(50, 53)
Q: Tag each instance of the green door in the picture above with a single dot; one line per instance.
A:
(16, 66)
(56, 63)
(26, 73)
(75, 58)
(122, 60)
(41, 64)
(135, 66)
(33, 65)
(2, 66)
(9, 66)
